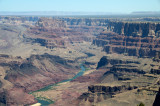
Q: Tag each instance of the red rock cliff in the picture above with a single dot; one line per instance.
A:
(134, 39)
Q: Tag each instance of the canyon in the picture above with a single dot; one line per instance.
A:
(40, 58)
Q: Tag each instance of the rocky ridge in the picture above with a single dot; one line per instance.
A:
(59, 32)
(98, 93)
(133, 56)
(26, 75)
(133, 39)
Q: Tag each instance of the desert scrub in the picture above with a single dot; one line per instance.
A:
(141, 104)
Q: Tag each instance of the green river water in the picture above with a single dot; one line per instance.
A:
(46, 102)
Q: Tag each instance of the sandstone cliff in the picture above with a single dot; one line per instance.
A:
(133, 39)
(59, 32)
(143, 29)
(101, 92)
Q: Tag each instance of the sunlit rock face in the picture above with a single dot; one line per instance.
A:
(55, 32)
(133, 39)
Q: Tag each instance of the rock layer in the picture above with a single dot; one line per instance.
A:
(98, 93)
(59, 32)
(133, 39)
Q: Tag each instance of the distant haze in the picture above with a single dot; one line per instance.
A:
(55, 13)
(103, 6)
(63, 13)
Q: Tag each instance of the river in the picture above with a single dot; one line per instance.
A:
(47, 102)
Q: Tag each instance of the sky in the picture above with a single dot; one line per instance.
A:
(111, 6)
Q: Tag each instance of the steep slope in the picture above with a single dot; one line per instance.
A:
(26, 75)
(55, 32)
(133, 59)
(49, 50)
(157, 102)
(133, 39)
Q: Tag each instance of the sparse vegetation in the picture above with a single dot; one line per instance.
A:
(141, 104)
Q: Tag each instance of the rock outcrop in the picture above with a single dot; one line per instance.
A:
(157, 99)
(155, 71)
(25, 21)
(98, 93)
(142, 29)
(133, 39)
(106, 60)
(59, 32)
(87, 21)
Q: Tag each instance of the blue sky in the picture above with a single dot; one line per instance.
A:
(113, 6)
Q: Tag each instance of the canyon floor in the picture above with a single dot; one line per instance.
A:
(66, 93)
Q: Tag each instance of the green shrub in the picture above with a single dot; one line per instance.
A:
(141, 104)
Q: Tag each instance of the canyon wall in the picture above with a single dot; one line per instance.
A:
(99, 93)
(87, 21)
(21, 76)
(25, 21)
(133, 39)
(53, 32)
(143, 29)
(122, 75)
(129, 45)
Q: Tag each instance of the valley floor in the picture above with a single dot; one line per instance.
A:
(67, 93)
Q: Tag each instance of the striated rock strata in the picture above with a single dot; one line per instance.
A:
(98, 93)
(133, 39)
(53, 32)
